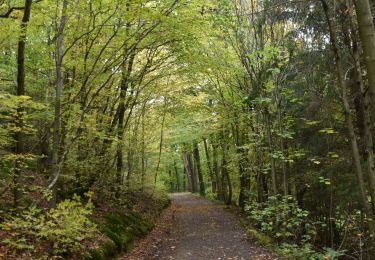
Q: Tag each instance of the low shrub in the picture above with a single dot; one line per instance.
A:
(281, 218)
(64, 228)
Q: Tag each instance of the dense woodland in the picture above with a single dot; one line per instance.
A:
(268, 105)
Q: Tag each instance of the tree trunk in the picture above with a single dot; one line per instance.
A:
(143, 148)
(161, 143)
(367, 35)
(349, 119)
(270, 150)
(366, 117)
(209, 167)
(215, 168)
(197, 160)
(124, 86)
(188, 171)
(19, 136)
(171, 186)
(57, 120)
(282, 149)
(225, 177)
(193, 173)
(243, 168)
(186, 179)
(178, 182)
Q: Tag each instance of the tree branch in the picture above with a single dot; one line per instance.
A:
(10, 10)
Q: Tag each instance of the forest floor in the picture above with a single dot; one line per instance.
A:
(197, 228)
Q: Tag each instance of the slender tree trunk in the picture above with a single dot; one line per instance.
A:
(59, 87)
(226, 176)
(178, 182)
(187, 185)
(270, 150)
(282, 149)
(215, 168)
(197, 159)
(193, 173)
(171, 186)
(188, 171)
(161, 141)
(143, 149)
(243, 168)
(124, 86)
(209, 167)
(262, 188)
(130, 160)
(19, 136)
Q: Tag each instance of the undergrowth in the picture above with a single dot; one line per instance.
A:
(281, 224)
(75, 229)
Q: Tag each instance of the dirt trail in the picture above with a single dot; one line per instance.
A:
(195, 228)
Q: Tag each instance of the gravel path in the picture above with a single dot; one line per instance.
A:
(195, 228)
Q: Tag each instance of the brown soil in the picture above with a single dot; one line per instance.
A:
(194, 228)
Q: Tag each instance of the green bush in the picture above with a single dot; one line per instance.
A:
(281, 218)
(65, 227)
(306, 251)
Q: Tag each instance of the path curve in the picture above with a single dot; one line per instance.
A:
(195, 228)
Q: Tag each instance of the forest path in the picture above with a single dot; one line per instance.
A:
(194, 228)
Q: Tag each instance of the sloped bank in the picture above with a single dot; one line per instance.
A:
(120, 228)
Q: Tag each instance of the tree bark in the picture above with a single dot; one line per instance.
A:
(348, 118)
(367, 35)
(197, 159)
(188, 171)
(282, 149)
(366, 117)
(270, 150)
(19, 136)
(215, 168)
(178, 182)
(57, 116)
(124, 86)
(209, 167)
(225, 176)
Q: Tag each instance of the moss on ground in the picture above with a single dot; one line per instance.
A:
(121, 229)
